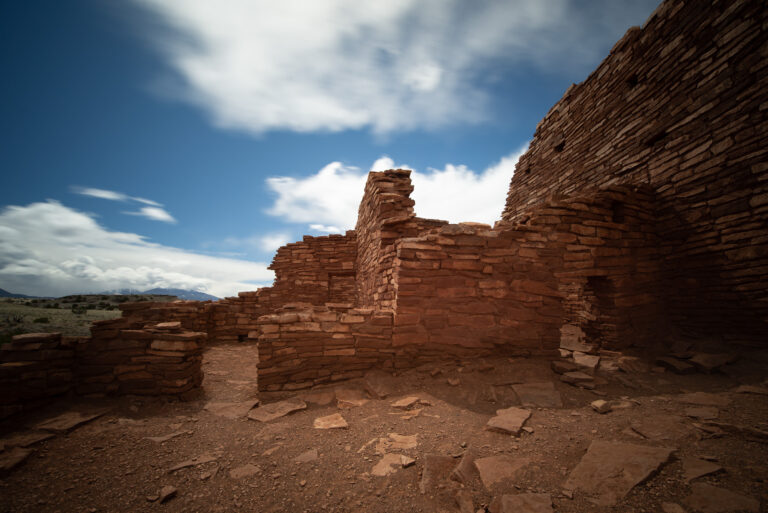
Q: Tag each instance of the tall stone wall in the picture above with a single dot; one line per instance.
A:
(468, 289)
(680, 104)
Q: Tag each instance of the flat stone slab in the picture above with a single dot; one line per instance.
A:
(495, 469)
(13, 458)
(68, 421)
(508, 420)
(396, 442)
(244, 471)
(694, 468)
(335, 421)
(197, 460)
(711, 499)
(662, 427)
(702, 412)
(542, 394)
(576, 377)
(709, 362)
(272, 411)
(232, 410)
(307, 457)
(522, 503)
(350, 397)
(465, 470)
(676, 365)
(390, 463)
(705, 399)
(406, 402)
(25, 439)
(586, 361)
(609, 470)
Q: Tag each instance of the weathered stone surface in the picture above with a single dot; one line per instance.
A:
(601, 406)
(234, 410)
(436, 470)
(335, 421)
(244, 471)
(609, 470)
(272, 411)
(167, 493)
(633, 365)
(706, 498)
(676, 365)
(25, 439)
(350, 397)
(709, 362)
(67, 421)
(542, 394)
(522, 503)
(661, 427)
(496, 469)
(396, 442)
(465, 470)
(306, 457)
(389, 463)
(695, 467)
(406, 402)
(197, 460)
(508, 420)
(702, 412)
(705, 399)
(586, 361)
(165, 438)
(378, 384)
(575, 378)
(563, 366)
(751, 389)
(319, 397)
(10, 459)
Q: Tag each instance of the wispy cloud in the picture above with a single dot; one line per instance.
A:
(154, 211)
(48, 248)
(112, 195)
(328, 200)
(395, 65)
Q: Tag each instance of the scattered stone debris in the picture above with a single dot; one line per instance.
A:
(609, 470)
(198, 460)
(711, 499)
(508, 420)
(272, 411)
(390, 462)
(232, 410)
(335, 421)
(522, 503)
(68, 421)
(396, 442)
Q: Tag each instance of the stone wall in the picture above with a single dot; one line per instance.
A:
(469, 290)
(35, 368)
(680, 104)
(302, 345)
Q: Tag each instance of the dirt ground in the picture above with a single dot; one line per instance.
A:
(238, 464)
(16, 318)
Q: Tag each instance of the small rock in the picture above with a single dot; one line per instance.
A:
(243, 471)
(306, 457)
(303, 483)
(601, 406)
(335, 421)
(272, 411)
(167, 493)
(671, 507)
(676, 365)
(561, 366)
(454, 382)
(152, 498)
(406, 402)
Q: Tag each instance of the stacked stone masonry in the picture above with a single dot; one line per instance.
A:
(681, 105)
(637, 215)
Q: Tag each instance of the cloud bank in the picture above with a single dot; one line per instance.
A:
(153, 211)
(396, 65)
(328, 200)
(49, 249)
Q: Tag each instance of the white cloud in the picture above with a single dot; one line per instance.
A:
(154, 213)
(50, 249)
(333, 194)
(335, 65)
(112, 195)
(273, 241)
(325, 229)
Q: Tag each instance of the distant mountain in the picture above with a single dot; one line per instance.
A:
(5, 293)
(193, 295)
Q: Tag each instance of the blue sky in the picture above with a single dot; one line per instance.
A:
(178, 143)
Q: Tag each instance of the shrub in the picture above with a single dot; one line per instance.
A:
(42, 320)
(79, 309)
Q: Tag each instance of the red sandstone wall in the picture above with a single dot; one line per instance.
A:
(302, 345)
(681, 105)
(314, 270)
(469, 290)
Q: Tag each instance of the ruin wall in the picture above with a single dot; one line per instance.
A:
(681, 105)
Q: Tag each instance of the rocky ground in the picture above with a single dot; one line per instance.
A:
(497, 435)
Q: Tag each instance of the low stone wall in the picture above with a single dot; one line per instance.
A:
(301, 345)
(34, 368)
